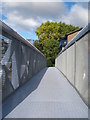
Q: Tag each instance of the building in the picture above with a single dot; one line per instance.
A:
(67, 38)
(63, 43)
(72, 34)
(31, 41)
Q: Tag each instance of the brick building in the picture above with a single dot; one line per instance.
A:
(72, 34)
(67, 38)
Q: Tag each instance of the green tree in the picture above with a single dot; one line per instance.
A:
(50, 50)
(37, 45)
(49, 35)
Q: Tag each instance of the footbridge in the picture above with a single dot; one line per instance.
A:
(29, 89)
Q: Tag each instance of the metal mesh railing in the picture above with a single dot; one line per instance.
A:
(73, 63)
(20, 61)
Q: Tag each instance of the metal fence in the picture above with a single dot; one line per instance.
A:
(73, 62)
(19, 62)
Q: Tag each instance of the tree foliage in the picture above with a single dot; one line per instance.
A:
(49, 35)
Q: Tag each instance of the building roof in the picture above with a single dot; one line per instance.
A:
(64, 37)
(74, 31)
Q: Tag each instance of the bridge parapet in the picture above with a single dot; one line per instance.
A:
(20, 62)
(73, 63)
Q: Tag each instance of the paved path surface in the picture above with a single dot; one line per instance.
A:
(53, 97)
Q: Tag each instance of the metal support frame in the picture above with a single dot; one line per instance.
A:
(21, 58)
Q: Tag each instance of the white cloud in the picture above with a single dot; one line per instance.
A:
(19, 23)
(34, 9)
(33, 1)
(45, 1)
(26, 16)
(78, 15)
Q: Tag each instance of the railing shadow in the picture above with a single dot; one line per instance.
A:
(21, 93)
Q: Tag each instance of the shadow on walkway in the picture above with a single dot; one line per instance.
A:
(21, 93)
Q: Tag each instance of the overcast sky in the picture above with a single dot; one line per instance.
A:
(24, 17)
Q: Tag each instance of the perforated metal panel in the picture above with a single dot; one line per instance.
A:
(81, 81)
(71, 63)
(19, 64)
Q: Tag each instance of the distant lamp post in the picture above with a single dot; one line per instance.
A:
(31, 41)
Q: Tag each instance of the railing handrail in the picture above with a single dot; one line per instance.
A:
(10, 33)
(85, 30)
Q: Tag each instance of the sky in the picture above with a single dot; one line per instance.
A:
(25, 17)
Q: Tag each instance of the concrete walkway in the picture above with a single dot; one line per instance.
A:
(53, 97)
